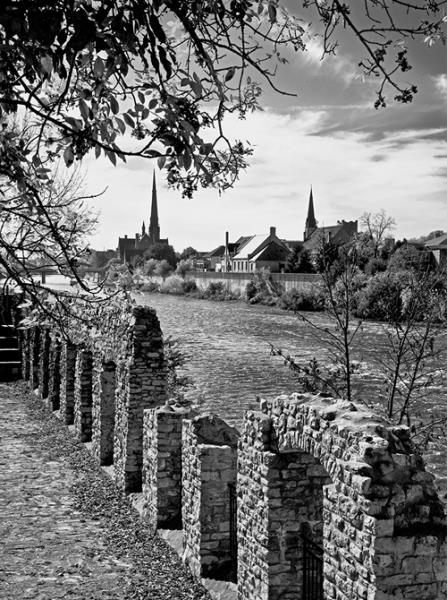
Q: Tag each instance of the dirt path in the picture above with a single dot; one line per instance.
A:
(64, 530)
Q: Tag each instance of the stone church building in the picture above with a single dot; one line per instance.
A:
(131, 248)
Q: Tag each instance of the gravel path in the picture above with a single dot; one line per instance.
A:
(65, 532)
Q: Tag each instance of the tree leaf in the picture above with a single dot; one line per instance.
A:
(128, 120)
(85, 111)
(68, 156)
(161, 162)
(98, 68)
(114, 105)
(230, 73)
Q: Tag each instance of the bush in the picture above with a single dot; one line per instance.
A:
(381, 298)
(150, 286)
(219, 291)
(172, 285)
(262, 289)
(296, 301)
(189, 285)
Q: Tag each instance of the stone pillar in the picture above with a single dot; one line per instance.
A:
(44, 362)
(141, 382)
(209, 466)
(103, 409)
(35, 337)
(25, 344)
(67, 369)
(162, 466)
(54, 383)
(83, 395)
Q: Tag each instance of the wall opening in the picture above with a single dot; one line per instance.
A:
(295, 495)
(209, 504)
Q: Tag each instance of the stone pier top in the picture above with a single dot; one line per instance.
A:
(374, 458)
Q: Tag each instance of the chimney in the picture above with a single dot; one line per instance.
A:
(272, 231)
(137, 237)
(125, 237)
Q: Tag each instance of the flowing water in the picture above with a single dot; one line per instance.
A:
(227, 351)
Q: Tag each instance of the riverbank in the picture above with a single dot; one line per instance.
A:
(66, 530)
(259, 288)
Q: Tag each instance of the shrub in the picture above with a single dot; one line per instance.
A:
(189, 285)
(381, 298)
(172, 285)
(150, 286)
(219, 291)
(262, 289)
(250, 290)
(295, 300)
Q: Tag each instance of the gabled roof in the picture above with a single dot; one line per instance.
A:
(272, 251)
(242, 241)
(250, 247)
(219, 251)
(440, 241)
(292, 244)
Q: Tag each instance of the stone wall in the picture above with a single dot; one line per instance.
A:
(237, 282)
(67, 381)
(379, 510)
(54, 377)
(34, 353)
(309, 470)
(141, 383)
(130, 375)
(209, 466)
(162, 466)
(44, 362)
(83, 395)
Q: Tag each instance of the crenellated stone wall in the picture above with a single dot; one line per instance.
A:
(209, 465)
(311, 472)
(162, 466)
(109, 373)
(379, 509)
(141, 383)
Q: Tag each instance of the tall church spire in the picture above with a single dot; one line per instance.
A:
(311, 223)
(154, 227)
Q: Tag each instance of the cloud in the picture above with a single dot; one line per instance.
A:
(348, 176)
(440, 82)
(336, 64)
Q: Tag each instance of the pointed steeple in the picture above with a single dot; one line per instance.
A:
(143, 229)
(154, 227)
(311, 223)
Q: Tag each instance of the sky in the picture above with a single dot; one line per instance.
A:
(356, 158)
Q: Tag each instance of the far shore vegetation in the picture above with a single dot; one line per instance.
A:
(383, 274)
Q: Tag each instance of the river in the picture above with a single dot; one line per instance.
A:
(227, 351)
